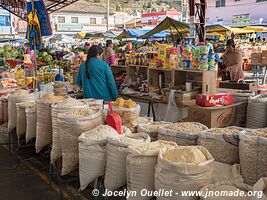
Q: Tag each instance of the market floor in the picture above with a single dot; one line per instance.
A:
(25, 177)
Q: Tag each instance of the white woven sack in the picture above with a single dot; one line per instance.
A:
(12, 108)
(31, 120)
(57, 108)
(143, 128)
(253, 157)
(140, 167)
(256, 114)
(21, 121)
(1, 111)
(115, 174)
(178, 176)
(70, 128)
(260, 186)
(226, 186)
(5, 110)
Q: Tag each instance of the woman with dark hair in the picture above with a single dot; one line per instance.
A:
(96, 78)
(109, 55)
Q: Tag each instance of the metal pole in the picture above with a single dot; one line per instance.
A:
(35, 59)
(107, 15)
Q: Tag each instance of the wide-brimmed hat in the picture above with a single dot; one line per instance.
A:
(230, 43)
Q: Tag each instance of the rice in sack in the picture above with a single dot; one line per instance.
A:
(140, 166)
(253, 155)
(92, 153)
(183, 168)
(31, 120)
(44, 120)
(183, 133)
(115, 174)
(232, 188)
(60, 107)
(71, 125)
(222, 143)
(151, 129)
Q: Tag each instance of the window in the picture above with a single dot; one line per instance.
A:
(5, 20)
(92, 20)
(260, 0)
(220, 3)
(61, 19)
(104, 21)
(74, 20)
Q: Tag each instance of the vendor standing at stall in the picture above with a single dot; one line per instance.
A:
(233, 61)
(96, 78)
(109, 54)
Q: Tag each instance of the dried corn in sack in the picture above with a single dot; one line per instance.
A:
(21, 117)
(260, 186)
(31, 120)
(71, 125)
(18, 96)
(44, 120)
(151, 129)
(119, 102)
(140, 167)
(253, 155)
(127, 114)
(222, 143)
(56, 108)
(183, 133)
(226, 186)
(183, 168)
(92, 153)
(115, 173)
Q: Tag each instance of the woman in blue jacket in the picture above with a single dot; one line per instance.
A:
(96, 78)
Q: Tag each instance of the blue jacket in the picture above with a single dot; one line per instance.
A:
(101, 84)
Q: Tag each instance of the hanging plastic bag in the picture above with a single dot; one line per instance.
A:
(173, 113)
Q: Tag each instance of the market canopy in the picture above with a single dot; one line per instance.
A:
(216, 29)
(241, 31)
(168, 23)
(133, 33)
(80, 35)
(107, 34)
(62, 38)
(255, 28)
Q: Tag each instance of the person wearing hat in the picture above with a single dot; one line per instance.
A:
(233, 61)
(109, 55)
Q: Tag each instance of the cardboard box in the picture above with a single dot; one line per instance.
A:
(248, 85)
(256, 58)
(209, 80)
(264, 53)
(214, 100)
(264, 60)
(213, 117)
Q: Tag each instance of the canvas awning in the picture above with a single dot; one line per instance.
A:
(216, 28)
(241, 31)
(133, 33)
(255, 28)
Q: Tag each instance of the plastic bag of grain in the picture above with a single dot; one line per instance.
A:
(21, 117)
(151, 129)
(56, 108)
(31, 120)
(18, 96)
(140, 166)
(253, 155)
(44, 120)
(225, 189)
(183, 133)
(115, 174)
(71, 125)
(127, 114)
(92, 153)
(222, 143)
(183, 168)
(260, 186)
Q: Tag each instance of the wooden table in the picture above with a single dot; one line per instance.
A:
(257, 69)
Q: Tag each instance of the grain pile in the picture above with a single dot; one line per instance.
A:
(151, 129)
(222, 143)
(183, 168)
(253, 155)
(183, 133)
(71, 125)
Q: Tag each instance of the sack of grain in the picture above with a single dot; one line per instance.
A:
(183, 133)
(225, 172)
(140, 167)
(31, 120)
(138, 121)
(127, 114)
(115, 174)
(71, 125)
(44, 120)
(92, 153)
(260, 186)
(183, 168)
(253, 155)
(5, 101)
(18, 96)
(222, 143)
(151, 129)
(56, 108)
(92, 102)
(1, 111)
(226, 188)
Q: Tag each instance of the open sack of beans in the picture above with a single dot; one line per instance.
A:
(152, 129)
(183, 133)
(71, 125)
(57, 108)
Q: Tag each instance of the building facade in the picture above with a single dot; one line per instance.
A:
(236, 12)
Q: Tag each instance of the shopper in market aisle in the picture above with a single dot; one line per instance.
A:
(109, 55)
(96, 78)
(233, 61)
